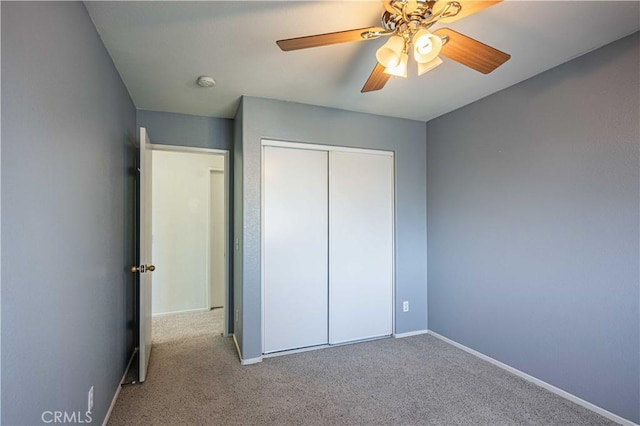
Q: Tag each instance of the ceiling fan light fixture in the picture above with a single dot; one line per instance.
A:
(426, 46)
(426, 67)
(411, 5)
(399, 70)
(389, 55)
(406, 23)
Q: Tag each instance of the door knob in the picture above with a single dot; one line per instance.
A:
(143, 268)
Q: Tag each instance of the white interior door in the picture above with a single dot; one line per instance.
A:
(295, 311)
(146, 267)
(361, 246)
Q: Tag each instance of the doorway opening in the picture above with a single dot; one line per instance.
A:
(189, 242)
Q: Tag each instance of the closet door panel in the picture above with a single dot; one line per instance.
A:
(295, 248)
(361, 246)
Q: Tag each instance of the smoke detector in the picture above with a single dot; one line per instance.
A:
(205, 81)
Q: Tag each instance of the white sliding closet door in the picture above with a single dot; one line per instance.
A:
(295, 248)
(361, 246)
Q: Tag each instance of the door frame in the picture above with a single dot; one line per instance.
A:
(273, 142)
(213, 170)
(225, 171)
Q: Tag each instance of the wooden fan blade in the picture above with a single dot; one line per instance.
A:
(325, 39)
(469, 7)
(471, 52)
(376, 80)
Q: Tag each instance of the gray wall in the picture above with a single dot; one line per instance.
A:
(533, 218)
(168, 128)
(264, 118)
(67, 119)
(238, 224)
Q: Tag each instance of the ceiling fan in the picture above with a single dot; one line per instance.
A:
(407, 23)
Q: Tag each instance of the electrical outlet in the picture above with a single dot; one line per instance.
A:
(90, 400)
(237, 314)
(405, 306)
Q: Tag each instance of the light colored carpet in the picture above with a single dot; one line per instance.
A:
(417, 380)
(178, 328)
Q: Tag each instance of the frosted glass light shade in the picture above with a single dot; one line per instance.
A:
(399, 70)
(423, 68)
(426, 46)
(389, 54)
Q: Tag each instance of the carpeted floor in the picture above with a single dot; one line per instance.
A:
(417, 380)
(179, 328)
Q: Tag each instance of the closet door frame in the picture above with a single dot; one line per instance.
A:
(268, 142)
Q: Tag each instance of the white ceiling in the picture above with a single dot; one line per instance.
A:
(160, 48)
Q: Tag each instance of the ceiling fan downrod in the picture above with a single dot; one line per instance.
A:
(410, 16)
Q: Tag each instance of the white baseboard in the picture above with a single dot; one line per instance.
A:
(250, 361)
(115, 396)
(586, 404)
(187, 311)
(410, 333)
(243, 361)
(237, 347)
